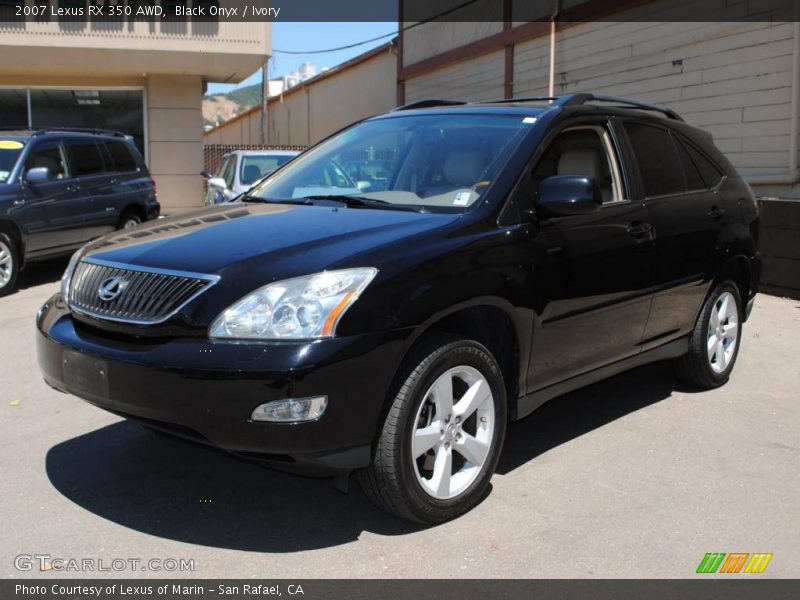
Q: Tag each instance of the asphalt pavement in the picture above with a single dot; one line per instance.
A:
(637, 476)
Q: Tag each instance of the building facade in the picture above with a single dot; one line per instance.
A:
(316, 107)
(146, 79)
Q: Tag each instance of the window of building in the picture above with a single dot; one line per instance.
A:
(14, 108)
(119, 110)
(658, 159)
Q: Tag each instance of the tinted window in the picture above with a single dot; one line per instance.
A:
(48, 154)
(658, 159)
(84, 157)
(121, 156)
(708, 171)
(693, 179)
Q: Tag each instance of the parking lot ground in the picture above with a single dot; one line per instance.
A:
(636, 476)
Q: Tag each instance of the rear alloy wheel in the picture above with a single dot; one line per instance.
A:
(129, 220)
(442, 438)
(9, 263)
(714, 343)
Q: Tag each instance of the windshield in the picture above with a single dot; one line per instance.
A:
(256, 166)
(9, 153)
(442, 162)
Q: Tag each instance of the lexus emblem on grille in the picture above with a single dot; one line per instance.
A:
(111, 288)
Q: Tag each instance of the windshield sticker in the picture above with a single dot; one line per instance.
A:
(4, 175)
(529, 120)
(462, 198)
(10, 145)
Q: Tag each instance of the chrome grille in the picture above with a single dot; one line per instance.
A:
(146, 296)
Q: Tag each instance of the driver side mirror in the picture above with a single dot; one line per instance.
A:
(37, 175)
(217, 183)
(565, 195)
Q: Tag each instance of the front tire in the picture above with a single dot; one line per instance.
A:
(442, 438)
(9, 264)
(714, 342)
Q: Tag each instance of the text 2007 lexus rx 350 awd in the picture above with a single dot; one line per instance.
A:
(484, 259)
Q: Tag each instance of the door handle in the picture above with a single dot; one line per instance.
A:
(72, 188)
(716, 213)
(637, 229)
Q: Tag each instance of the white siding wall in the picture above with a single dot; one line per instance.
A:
(732, 79)
(479, 78)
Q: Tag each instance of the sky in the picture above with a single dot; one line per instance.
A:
(305, 37)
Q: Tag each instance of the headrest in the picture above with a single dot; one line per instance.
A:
(251, 173)
(463, 168)
(580, 161)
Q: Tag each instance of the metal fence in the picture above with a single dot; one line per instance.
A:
(213, 153)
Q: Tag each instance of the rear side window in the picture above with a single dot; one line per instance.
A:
(121, 156)
(694, 182)
(709, 172)
(84, 157)
(48, 154)
(658, 159)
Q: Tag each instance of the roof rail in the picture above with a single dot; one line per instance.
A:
(90, 130)
(579, 99)
(428, 104)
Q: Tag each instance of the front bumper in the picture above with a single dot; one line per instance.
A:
(206, 391)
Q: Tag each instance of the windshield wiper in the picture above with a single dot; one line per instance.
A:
(249, 198)
(363, 202)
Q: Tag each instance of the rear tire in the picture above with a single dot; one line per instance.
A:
(714, 342)
(9, 264)
(129, 219)
(442, 438)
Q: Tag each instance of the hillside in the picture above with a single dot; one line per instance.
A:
(218, 108)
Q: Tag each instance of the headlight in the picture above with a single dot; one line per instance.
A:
(294, 309)
(66, 279)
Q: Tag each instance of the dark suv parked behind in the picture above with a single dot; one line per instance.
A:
(60, 188)
(518, 250)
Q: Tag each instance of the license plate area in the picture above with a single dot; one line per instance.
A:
(85, 374)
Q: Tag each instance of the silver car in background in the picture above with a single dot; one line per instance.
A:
(240, 169)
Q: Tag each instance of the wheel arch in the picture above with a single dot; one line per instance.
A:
(489, 321)
(134, 208)
(738, 269)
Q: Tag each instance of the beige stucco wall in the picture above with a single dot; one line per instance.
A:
(317, 108)
(225, 51)
(175, 140)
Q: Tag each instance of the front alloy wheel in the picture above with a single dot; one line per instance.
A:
(8, 265)
(455, 426)
(442, 437)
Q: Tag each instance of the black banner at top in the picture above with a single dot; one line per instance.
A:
(406, 11)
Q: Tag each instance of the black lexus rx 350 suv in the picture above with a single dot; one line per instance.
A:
(61, 187)
(516, 251)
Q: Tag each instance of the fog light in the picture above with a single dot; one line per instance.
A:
(291, 410)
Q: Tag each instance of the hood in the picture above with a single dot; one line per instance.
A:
(288, 239)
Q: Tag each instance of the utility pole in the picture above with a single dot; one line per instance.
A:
(264, 100)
